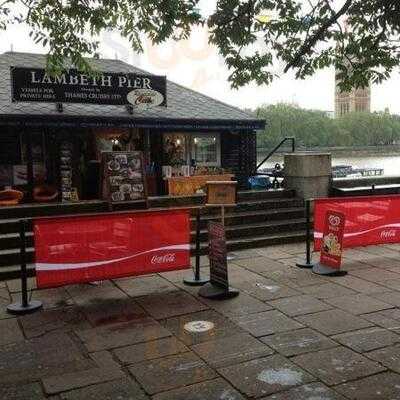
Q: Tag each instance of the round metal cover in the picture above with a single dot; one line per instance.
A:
(198, 326)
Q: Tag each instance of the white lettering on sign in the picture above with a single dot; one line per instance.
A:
(163, 259)
(388, 234)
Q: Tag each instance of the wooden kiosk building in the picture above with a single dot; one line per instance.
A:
(184, 140)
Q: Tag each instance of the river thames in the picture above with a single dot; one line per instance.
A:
(390, 164)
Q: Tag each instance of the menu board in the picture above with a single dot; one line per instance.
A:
(217, 255)
(123, 176)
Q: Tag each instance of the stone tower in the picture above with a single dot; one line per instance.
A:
(355, 100)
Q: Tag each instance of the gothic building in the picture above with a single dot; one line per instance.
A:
(354, 100)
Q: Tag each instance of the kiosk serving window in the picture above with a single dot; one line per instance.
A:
(206, 150)
(202, 149)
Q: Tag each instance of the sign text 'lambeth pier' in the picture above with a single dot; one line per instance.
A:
(34, 84)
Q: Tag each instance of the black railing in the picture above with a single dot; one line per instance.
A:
(291, 139)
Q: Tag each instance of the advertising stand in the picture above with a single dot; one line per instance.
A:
(220, 194)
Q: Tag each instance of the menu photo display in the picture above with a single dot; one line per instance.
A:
(123, 177)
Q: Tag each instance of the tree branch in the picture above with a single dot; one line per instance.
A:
(307, 46)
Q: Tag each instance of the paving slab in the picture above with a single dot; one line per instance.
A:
(14, 285)
(333, 322)
(298, 342)
(391, 297)
(259, 264)
(298, 278)
(47, 321)
(267, 323)
(120, 389)
(240, 305)
(150, 350)
(273, 252)
(104, 370)
(144, 286)
(5, 300)
(30, 360)
(238, 274)
(265, 376)
(383, 386)
(231, 350)
(388, 356)
(368, 339)
(375, 275)
(327, 290)
(30, 391)
(299, 305)
(216, 389)
(266, 289)
(389, 319)
(10, 332)
(221, 327)
(50, 298)
(312, 391)
(171, 372)
(119, 335)
(391, 284)
(91, 294)
(161, 306)
(337, 365)
(111, 311)
(359, 285)
(358, 304)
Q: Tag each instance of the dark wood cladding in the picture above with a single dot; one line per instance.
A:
(239, 155)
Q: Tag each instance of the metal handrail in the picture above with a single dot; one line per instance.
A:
(292, 139)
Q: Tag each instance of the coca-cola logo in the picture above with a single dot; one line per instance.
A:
(391, 233)
(166, 258)
(334, 220)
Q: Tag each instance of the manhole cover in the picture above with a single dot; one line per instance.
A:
(198, 326)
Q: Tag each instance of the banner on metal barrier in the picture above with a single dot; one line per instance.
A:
(369, 220)
(90, 248)
(332, 240)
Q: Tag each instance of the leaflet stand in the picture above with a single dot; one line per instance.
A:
(26, 306)
(221, 194)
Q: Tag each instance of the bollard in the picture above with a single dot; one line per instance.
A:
(196, 280)
(308, 263)
(25, 306)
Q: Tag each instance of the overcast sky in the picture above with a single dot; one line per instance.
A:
(195, 64)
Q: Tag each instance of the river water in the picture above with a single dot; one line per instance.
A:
(390, 164)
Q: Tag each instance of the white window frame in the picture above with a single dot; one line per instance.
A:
(217, 135)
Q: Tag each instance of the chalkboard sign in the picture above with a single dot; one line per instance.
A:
(123, 176)
(217, 255)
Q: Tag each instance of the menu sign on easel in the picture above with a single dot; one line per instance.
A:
(218, 255)
(123, 176)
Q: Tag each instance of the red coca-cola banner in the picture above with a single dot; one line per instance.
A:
(90, 248)
(369, 220)
(332, 240)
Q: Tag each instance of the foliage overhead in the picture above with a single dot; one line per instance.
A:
(317, 129)
(359, 37)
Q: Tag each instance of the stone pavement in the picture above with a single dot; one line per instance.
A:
(290, 335)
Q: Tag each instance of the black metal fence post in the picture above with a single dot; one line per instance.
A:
(25, 306)
(308, 263)
(196, 280)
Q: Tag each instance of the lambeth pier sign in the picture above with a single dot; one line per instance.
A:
(33, 84)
